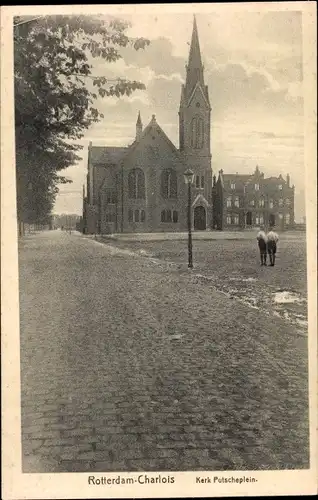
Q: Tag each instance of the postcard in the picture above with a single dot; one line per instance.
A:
(159, 257)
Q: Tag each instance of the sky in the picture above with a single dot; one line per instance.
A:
(253, 68)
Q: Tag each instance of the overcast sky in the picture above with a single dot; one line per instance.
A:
(253, 67)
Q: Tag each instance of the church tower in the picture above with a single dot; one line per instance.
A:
(194, 125)
(195, 110)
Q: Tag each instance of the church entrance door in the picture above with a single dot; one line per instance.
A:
(200, 218)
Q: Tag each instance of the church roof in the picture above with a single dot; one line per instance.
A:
(105, 155)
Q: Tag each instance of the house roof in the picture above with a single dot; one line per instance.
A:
(275, 180)
(237, 177)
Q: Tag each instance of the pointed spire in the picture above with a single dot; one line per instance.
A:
(138, 127)
(195, 53)
(194, 67)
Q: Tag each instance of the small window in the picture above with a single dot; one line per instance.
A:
(252, 203)
(130, 215)
(280, 216)
(280, 187)
(287, 202)
(229, 201)
(232, 185)
(175, 216)
(281, 202)
(136, 215)
(236, 201)
(168, 216)
(228, 220)
(256, 187)
(287, 219)
(142, 216)
(236, 219)
(261, 202)
(261, 220)
(163, 216)
(271, 203)
(197, 181)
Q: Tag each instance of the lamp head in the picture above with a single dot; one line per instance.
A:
(188, 176)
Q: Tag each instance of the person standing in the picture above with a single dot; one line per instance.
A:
(272, 239)
(262, 241)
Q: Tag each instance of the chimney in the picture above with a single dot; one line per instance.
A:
(138, 128)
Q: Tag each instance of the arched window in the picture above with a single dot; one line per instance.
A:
(142, 216)
(175, 216)
(168, 216)
(130, 215)
(169, 183)
(136, 184)
(197, 132)
(163, 216)
(136, 215)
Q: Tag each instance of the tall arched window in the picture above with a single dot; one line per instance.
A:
(169, 183)
(197, 132)
(136, 184)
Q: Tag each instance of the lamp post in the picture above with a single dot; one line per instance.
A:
(189, 177)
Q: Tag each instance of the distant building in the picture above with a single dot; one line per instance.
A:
(247, 201)
(65, 221)
(141, 188)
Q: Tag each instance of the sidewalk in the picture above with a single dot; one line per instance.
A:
(196, 236)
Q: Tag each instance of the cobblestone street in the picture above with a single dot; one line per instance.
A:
(128, 364)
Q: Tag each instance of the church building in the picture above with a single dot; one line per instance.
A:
(141, 188)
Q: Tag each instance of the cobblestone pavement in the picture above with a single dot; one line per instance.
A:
(127, 364)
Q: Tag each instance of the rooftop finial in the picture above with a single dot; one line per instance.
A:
(138, 127)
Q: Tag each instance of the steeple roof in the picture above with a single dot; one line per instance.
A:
(195, 61)
(195, 66)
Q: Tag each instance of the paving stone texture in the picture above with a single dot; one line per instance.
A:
(128, 364)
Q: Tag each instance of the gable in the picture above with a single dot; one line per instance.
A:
(199, 93)
(154, 146)
(200, 199)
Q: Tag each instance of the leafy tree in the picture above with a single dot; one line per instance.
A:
(55, 98)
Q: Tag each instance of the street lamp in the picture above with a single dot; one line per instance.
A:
(188, 178)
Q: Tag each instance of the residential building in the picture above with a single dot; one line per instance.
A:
(249, 201)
